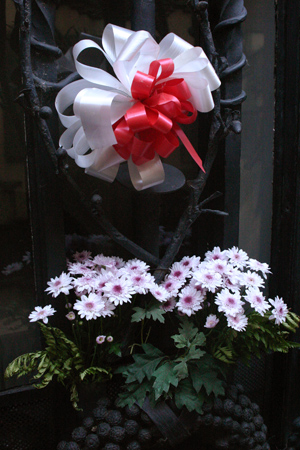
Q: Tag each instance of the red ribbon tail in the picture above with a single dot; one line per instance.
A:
(184, 139)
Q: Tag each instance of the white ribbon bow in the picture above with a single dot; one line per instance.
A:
(99, 99)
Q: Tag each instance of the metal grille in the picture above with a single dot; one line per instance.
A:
(31, 419)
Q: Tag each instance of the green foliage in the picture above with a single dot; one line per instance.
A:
(189, 375)
(151, 311)
(60, 359)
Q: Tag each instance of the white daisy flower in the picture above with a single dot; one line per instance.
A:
(108, 309)
(119, 290)
(215, 253)
(79, 268)
(134, 266)
(40, 313)
(237, 257)
(218, 265)
(82, 256)
(142, 282)
(84, 284)
(199, 288)
(258, 266)
(101, 279)
(191, 262)
(229, 303)
(62, 284)
(232, 279)
(189, 301)
(251, 279)
(238, 322)
(280, 310)
(160, 293)
(172, 285)
(89, 307)
(208, 279)
(168, 305)
(211, 321)
(257, 301)
(179, 271)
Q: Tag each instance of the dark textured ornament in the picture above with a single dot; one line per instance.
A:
(79, 434)
(92, 441)
(117, 434)
(88, 422)
(103, 430)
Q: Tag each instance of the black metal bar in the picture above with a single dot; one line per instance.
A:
(143, 16)
(285, 245)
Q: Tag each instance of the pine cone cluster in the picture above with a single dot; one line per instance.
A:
(232, 423)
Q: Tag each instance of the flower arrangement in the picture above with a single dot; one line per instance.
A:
(178, 337)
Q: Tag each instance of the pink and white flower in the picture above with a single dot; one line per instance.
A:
(172, 285)
(251, 279)
(257, 301)
(189, 301)
(41, 313)
(258, 266)
(229, 303)
(191, 262)
(142, 282)
(160, 293)
(108, 309)
(60, 285)
(169, 305)
(280, 310)
(134, 266)
(84, 284)
(119, 291)
(237, 257)
(218, 265)
(82, 256)
(208, 279)
(101, 280)
(89, 307)
(179, 272)
(79, 268)
(71, 316)
(100, 339)
(238, 322)
(211, 321)
(215, 253)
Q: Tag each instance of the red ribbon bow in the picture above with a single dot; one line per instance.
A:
(152, 123)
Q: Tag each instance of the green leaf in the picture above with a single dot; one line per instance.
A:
(155, 313)
(180, 341)
(152, 311)
(139, 315)
(201, 377)
(94, 373)
(186, 396)
(135, 393)
(195, 353)
(181, 369)
(115, 348)
(147, 363)
(187, 329)
(164, 377)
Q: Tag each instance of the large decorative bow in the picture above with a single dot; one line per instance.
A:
(136, 117)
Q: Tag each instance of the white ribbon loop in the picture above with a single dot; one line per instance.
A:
(100, 100)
